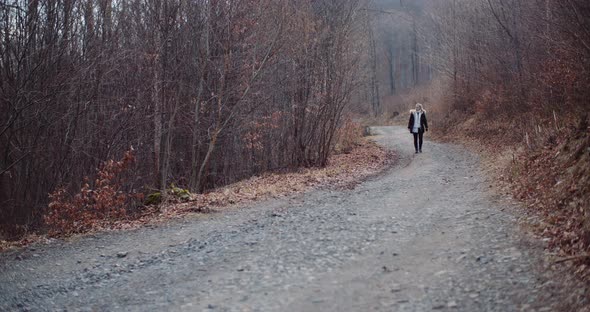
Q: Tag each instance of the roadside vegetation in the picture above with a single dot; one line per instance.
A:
(109, 107)
(104, 207)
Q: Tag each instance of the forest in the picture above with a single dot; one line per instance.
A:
(121, 99)
(107, 104)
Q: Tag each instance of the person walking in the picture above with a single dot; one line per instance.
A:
(418, 125)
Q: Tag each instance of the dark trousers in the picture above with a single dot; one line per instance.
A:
(418, 138)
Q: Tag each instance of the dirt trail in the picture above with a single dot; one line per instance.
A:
(427, 234)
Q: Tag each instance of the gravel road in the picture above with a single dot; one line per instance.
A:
(426, 235)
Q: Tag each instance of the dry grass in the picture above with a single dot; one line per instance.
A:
(554, 180)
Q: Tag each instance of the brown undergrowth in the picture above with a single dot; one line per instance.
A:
(355, 162)
(546, 168)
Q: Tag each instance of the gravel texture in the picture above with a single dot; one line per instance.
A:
(426, 235)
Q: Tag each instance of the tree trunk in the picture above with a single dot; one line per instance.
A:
(374, 83)
(193, 182)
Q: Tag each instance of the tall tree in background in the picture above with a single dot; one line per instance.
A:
(373, 82)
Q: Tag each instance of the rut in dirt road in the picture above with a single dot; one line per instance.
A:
(425, 235)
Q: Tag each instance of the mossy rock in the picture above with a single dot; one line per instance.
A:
(153, 199)
(177, 192)
(180, 193)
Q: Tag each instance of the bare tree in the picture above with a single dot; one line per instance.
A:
(204, 92)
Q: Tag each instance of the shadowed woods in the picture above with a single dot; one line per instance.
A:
(110, 106)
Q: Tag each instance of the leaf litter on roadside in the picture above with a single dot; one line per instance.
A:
(345, 170)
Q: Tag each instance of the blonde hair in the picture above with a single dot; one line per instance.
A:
(419, 107)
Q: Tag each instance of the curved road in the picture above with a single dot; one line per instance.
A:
(425, 235)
